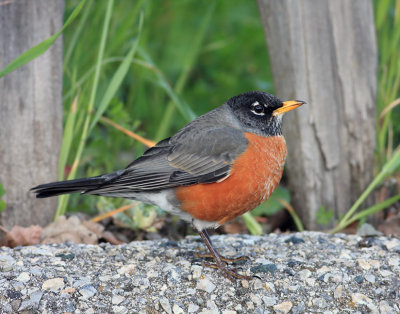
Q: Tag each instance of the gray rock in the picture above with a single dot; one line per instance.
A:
(7, 262)
(367, 230)
(87, 291)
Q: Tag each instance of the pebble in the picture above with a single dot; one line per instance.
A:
(53, 284)
(117, 299)
(267, 268)
(370, 278)
(283, 307)
(269, 301)
(385, 308)
(165, 305)
(176, 309)
(23, 277)
(304, 274)
(367, 230)
(364, 264)
(359, 298)
(338, 293)
(359, 279)
(6, 263)
(294, 240)
(196, 271)
(33, 302)
(392, 244)
(206, 285)
(192, 308)
(87, 291)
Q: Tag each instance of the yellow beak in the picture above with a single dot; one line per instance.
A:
(287, 106)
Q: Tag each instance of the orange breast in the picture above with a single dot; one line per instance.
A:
(253, 177)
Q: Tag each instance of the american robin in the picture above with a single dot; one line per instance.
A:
(219, 166)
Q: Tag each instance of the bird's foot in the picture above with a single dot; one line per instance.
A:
(235, 260)
(231, 274)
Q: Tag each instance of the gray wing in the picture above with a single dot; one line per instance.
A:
(198, 156)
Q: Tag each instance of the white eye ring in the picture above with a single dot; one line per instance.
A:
(257, 112)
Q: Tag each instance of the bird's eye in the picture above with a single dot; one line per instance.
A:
(257, 108)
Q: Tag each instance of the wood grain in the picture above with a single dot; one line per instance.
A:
(324, 52)
(31, 109)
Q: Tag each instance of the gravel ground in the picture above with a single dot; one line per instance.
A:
(306, 272)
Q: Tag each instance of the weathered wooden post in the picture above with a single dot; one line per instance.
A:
(325, 52)
(30, 109)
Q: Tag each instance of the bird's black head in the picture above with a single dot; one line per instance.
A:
(260, 112)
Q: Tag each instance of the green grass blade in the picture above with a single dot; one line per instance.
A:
(75, 38)
(182, 107)
(392, 165)
(40, 48)
(367, 212)
(252, 224)
(67, 139)
(117, 78)
(63, 200)
(187, 67)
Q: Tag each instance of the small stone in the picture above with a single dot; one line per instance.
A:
(250, 305)
(367, 230)
(385, 273)
(299, 308)
(87, 291)
(14, 294)
(176, 309)
(228, 312)
(53, 284)
(256, 299)
(370, 278)
(320, 302)
(209, 311)
(80, 283)
(266, 268)
(294, 240)
(165, 305)
(15, 304)
(206, 285)
(173, 277)
(363, 264)
(392, 244)
(345, 255)
(117, 299)
(304, 274)
(283, 307)
(127, 270)
(33, 302)
(119, 309)
(258, 284)
(338, 293)
(196, 271)
(269, 301)
(69, 308)
(374, 263)
(23, 277)
(6, 263)
(385, 308)
(361, 299)
(245, 283)
(394, 261)
(359, 279)
(192, 308)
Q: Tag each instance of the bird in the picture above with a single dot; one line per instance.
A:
(220, 165)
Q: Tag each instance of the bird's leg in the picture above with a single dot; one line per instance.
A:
(223, 258)
(219, 263)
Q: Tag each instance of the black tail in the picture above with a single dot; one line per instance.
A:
(73, 186)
